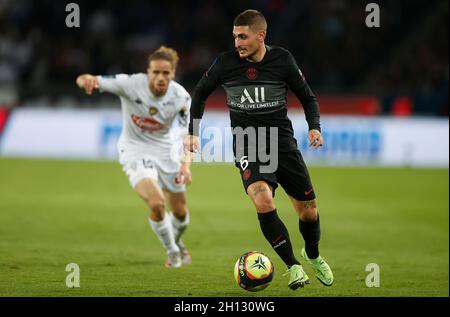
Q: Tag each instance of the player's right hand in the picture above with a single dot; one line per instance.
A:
(184, 175)
(88, 83)
(315, 138)
(191, 144)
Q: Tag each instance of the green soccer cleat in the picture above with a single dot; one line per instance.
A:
(297, 277)
(321, 269)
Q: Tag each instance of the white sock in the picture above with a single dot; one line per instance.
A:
(179, 226)
(164, 232)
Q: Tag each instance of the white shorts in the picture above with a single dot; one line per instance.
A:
(138, 166)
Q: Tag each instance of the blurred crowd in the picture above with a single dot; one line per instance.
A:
(404, 62)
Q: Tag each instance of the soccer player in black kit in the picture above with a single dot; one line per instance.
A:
(256, 77)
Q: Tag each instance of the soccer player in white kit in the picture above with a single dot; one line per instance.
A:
(155, 112)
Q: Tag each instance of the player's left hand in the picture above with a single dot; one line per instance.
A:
(315, 138)
(184, 175)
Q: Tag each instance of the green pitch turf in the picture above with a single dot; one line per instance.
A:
(57, 212)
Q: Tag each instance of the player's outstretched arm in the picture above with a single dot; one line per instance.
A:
(88, 83)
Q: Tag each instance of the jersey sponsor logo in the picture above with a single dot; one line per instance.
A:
(252, 73)
(258, 106)
(258, 96)
(152, 110)
(147, 124)
(248, 97)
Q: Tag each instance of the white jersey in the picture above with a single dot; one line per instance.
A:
(151, 125)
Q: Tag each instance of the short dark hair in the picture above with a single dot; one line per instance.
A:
(252, 18)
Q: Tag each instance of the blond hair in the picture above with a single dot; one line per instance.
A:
(165, 53)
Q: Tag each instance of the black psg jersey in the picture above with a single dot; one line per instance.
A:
(257, 93)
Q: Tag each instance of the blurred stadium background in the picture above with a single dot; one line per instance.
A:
(403, 64)
(384, 98)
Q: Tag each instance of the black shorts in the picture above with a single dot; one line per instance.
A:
(291, 174)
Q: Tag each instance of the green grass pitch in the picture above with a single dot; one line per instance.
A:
(56, 212)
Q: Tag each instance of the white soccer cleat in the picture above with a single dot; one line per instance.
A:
(174, 260)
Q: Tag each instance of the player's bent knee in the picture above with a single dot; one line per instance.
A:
(261, 196)
(157, 206)
(264, 202)
(308, 211)
(179, 211)
(157, 212)
(265, 207)
(309, 216)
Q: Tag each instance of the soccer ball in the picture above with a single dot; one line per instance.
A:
(253, 271)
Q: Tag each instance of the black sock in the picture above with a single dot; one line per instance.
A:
(311, 234)
(276, 233)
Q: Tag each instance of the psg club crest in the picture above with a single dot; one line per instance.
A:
(252, 73)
